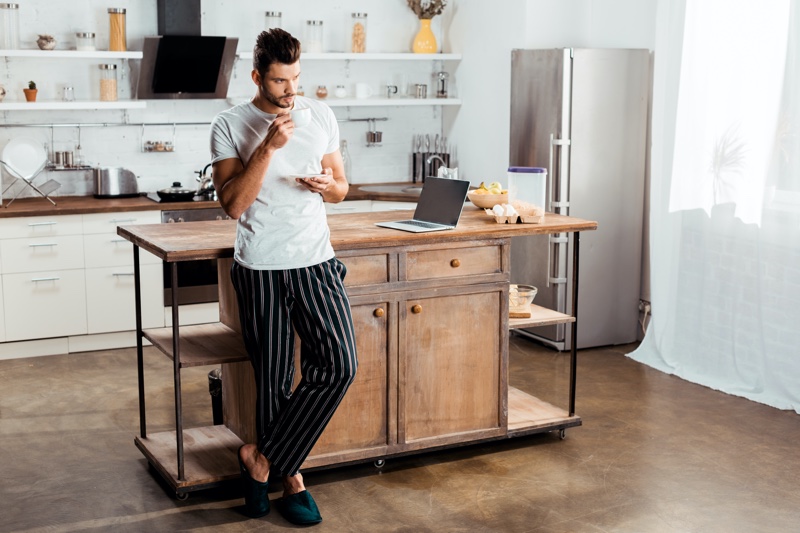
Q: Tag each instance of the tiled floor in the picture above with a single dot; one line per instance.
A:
(655, 454)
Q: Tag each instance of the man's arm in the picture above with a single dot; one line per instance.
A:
(238, 185)
(333, 186)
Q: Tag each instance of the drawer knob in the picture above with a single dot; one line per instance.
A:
(455, 263)
(416, 309)
(379, 312)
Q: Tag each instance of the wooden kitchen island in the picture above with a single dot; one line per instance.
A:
(431, 318)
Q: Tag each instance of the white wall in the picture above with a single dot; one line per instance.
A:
(484, 33)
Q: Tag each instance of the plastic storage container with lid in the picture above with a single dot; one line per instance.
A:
(117, 38)
(313, 37)
(108, 83)
(528, 184)
(84, 41)
(358, 33)
(272, 19)
(9, 26)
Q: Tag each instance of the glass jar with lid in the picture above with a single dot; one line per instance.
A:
(322, 92)
(117, 39)
(108, 83)
(313, 37)
(84, 41)
(358, 33)
(273, 20)
(9, 26)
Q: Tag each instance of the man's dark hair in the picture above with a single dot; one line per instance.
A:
(275, 46)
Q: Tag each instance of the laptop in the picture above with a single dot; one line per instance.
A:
(439, 207)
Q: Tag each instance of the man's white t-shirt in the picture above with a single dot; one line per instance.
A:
(286, 226)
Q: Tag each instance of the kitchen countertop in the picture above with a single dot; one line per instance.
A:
(79, 205)
(215, 239)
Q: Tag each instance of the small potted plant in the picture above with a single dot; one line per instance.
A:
(30, 92)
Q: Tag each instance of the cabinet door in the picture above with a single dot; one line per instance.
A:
(105, 250)
(46, 226)
(110, 302)
(108, 222)
(361, 421)
(450, 360)
(41, 254)
(44, 304)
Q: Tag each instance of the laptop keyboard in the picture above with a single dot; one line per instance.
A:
(421, 224)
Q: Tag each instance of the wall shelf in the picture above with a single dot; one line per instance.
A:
(71, 54)
(371, 102)
(369, 56)
(62, 106)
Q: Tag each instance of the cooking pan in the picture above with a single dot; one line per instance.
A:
(177, 193)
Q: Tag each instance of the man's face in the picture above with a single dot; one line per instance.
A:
(279, 84)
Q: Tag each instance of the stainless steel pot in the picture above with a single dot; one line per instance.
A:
(114, 182)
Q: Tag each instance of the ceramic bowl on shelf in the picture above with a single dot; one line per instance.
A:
(487, 201)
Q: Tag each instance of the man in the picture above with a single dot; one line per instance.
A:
(285, 274)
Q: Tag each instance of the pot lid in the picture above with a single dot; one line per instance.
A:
(177, 188)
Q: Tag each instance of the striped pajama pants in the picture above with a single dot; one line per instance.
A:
(273, 304)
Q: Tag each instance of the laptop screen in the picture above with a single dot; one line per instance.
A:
(441, 201)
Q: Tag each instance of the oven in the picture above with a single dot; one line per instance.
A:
(197, 280)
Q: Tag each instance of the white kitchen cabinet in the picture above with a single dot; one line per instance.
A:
(63, 252)
(108, 222)
(110, 298)
(380, 205)
(105, 250)
(46, 304)
(43, 226)
(349, 206)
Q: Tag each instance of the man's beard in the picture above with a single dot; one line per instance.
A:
(269, 97)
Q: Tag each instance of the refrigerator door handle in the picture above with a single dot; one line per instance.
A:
(553, 202)
(559, 240)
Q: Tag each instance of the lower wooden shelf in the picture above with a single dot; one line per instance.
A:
(528, 414)
(209, 456)
(540, 316)
(201, 344)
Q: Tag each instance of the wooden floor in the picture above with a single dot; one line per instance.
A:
(654, 454)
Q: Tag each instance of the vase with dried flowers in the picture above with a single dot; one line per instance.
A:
(425, 10)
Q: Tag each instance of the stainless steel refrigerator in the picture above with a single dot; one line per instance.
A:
(583, 114)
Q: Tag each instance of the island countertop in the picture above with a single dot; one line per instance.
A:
(215, 239)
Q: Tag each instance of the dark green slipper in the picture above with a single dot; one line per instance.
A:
(256, 496)
(300, 509)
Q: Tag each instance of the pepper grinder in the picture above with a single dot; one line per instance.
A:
(441, 86)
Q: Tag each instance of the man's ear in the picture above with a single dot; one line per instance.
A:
(256, 77)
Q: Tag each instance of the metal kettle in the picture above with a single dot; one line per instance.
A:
(206, 188)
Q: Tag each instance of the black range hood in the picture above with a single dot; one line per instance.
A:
(182, 63)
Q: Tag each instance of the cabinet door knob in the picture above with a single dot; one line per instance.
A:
(455, 263)
(379, 312)
(416, 309)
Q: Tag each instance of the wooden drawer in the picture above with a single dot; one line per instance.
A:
(48, 226)
(351, 206)
(108, 222)
(42, 253)
(366, 269)
(110, 298)
(106, 250)
(44, 304)
(453, 262)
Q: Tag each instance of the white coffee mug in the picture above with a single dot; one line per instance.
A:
(363, 90)
(301, 116)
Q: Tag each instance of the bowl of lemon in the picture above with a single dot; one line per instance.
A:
(488, 196)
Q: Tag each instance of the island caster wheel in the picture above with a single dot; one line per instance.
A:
(182, 496)
(379, 463)
(562, 434)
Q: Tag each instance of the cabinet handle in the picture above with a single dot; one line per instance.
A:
(379, 312)
(122, 273)
(42, 224)
(416, 309)
(348, 208)
(117, 221)
(55, 278)
(118, 240)
(38, 245)
(455, 263)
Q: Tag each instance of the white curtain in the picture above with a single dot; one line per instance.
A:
(725, 198)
